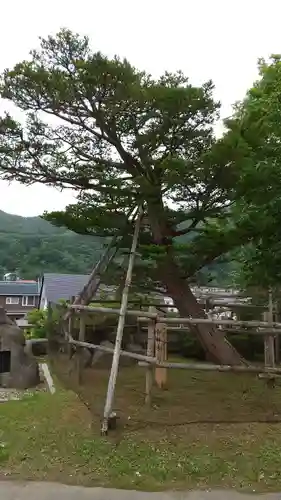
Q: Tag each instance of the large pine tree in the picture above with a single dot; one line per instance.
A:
(121, 138)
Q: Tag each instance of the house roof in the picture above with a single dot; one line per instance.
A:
(62, 286)
(66, 286)
(9, 288)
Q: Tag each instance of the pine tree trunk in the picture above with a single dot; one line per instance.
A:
(213, 341)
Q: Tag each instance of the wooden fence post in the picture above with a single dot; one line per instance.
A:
(277, 350)
(269, 355)
(208, 308)
(80, 350)
(150, 352)
(69, 329)
(70, 333)
(161, 354)
(277, 339)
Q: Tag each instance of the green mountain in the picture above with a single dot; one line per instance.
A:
(28, 225)
(31, 246)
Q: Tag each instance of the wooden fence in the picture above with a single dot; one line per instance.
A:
(155, 360)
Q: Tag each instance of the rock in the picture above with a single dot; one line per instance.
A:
(104, 360)
(136, 348)
(86, 357)
(101, 358)
(24, 370)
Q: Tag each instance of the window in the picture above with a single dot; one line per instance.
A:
(12, 300)
(28, 300)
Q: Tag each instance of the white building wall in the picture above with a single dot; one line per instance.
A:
(43, 300)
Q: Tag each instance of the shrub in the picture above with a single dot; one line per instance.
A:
(37, 319)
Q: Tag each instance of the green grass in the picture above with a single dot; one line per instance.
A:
(56, 438)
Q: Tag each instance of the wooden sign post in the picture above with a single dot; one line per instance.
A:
(161, 354)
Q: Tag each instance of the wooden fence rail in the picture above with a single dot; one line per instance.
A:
(144, 316)
(214, 368)
(126, 354)
(212, 303)
(222, 322)
(144, 360)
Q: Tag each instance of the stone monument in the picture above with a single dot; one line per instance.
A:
(23, 368)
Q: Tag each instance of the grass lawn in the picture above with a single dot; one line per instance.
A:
(176, 444)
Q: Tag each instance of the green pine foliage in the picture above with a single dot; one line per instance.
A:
(122, 138)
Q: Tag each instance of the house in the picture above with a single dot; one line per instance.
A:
(19, 297)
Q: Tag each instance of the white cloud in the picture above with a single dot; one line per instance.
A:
(206, 39)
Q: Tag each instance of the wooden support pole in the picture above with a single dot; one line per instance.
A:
(161, 354)
(80, 366)
(269, 354)
(120, 328)
(149, 352)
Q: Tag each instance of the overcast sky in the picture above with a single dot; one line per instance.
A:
(216, 39)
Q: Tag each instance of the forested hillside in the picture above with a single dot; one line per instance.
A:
(32, 246)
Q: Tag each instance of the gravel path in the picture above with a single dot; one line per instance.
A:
(7, 394)
(51, 491)
(16, 395)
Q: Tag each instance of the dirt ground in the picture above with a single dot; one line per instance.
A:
(189, 398)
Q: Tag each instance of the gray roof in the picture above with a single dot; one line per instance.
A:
(63, 286)
(9, 288)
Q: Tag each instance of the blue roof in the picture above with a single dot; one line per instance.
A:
(9, 288)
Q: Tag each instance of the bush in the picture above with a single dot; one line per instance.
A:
(190, 347)
(37, 320)
(250, 346)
